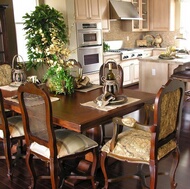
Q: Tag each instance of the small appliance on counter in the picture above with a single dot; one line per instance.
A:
(114, 45)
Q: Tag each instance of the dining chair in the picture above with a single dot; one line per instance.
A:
(118, 71)
(6, 79)
(11, 131)
(148, 144)
(5, 74)
(76, 69)
(75, 62)
(53, 146)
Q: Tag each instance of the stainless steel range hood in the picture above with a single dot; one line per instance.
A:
(123, 10)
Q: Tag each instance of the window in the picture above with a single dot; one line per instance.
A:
(21, 7)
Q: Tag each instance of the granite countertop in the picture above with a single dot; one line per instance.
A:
(173, 61)
(136, 48)
(111, 53)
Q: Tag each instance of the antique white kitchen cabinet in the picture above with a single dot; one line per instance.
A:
(162, 15)
(87, 10)
(131, 71)
(105, 15)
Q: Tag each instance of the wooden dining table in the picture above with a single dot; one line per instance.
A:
(69, 113)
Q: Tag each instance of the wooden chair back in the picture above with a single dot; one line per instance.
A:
(5, 74)
(37, 116)
(168, 113)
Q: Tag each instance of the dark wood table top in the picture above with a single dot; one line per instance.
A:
(69, 113)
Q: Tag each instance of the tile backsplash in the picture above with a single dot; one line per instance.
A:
(129, 38)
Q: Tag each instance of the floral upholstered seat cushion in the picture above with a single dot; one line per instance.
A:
(5, 74)
(68, 143)
(134, 145)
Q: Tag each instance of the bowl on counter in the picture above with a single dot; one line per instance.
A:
(114, 45)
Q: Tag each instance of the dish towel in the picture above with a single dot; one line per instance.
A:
(92, 104)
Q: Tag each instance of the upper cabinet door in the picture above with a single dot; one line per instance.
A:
(87, 10)
(162, 15)
(142, 7)
(143, 10)
(105, 15)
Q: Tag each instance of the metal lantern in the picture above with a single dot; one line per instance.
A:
(18, 69)
(111, 86)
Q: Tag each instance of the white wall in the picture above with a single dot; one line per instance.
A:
(67, 8)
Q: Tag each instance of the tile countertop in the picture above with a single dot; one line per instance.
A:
(155, 59)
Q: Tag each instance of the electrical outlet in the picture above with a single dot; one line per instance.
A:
(127, 38)
(153, 71)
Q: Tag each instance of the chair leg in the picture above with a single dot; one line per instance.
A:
(19, 151)
(30, 166)
(141, 175)
(176, 157)
(102, 163)
(153, 174)
(8, 157)
(103, 134)
(93, 168)
(54, 173)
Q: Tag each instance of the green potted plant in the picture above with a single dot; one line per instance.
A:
(47, 43)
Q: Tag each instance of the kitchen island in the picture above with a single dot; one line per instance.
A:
(155, 72)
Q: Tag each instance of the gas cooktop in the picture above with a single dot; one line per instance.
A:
(120, 50)
(128, 53)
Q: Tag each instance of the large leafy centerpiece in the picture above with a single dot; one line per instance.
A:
(47, 43)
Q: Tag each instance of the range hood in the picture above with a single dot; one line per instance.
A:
(123, 10)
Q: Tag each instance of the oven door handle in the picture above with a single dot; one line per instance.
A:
(90, 46)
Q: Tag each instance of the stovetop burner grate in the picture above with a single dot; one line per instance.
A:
(128, 53)
(120, 50)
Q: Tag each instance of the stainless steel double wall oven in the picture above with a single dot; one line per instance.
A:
(89, 39)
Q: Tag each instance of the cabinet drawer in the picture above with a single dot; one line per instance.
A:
(94, 77)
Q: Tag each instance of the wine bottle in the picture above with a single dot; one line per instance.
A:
(110, 79)
(110, 74)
